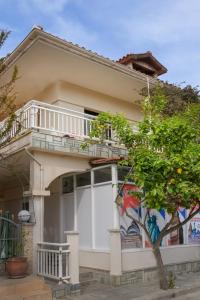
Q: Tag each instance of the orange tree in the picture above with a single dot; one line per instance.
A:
(165, 155)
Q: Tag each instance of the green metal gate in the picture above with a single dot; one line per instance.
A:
(10, 237)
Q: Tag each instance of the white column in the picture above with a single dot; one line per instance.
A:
(38, 228)
(115, 253)
(75, 206)
(92, 210)
(116, 222)
(73, 240)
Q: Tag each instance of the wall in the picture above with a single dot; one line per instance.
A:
(103, 214)
(75, 97)
(95, 259)
(66, 215)
(53, 166)
(143, 258)
(12, 200)
(52, 214)
(84, 217)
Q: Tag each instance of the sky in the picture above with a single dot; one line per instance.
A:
(170, 29)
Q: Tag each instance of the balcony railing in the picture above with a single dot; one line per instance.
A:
(54, 120)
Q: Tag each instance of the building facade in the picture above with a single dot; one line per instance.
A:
(62, 87)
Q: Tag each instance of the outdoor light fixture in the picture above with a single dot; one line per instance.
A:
(24, 216)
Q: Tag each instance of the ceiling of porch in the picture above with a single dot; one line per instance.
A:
(14, 171)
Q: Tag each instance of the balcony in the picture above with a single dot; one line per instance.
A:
(62, 128)
(51, 119)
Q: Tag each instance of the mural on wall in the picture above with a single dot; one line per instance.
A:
(155, 222)
(177, 236)
(194, 230)
(131, 233)
(131, 236)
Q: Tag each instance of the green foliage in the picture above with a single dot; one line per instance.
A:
(177, 98)
(7, 95)
(165, 152)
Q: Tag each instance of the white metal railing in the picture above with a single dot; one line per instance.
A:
(53, 260)
(53, 119)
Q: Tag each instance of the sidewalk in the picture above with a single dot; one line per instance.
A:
(186, 284)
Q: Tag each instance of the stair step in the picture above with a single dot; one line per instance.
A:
(86, 276)
(86, 283)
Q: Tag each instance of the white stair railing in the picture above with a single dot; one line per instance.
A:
(53, 261)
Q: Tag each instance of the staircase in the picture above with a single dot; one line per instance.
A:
(29, 288)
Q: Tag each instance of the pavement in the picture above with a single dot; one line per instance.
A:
(187, 287)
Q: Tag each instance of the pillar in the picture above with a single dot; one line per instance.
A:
(27, 240)
(115, 253)
(116, 221)
(37, 218)
(73, 240)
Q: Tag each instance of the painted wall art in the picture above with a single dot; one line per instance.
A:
(194, 230)
(131, 234)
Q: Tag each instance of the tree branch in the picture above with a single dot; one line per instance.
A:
(177, 226)
(162, 233)
(141, 225)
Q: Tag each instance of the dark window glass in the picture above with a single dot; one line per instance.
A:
(122, 173)
(102, 175)
(67, 185)
(25, 206)
(83, 179)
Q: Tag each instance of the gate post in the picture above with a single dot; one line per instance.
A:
(73, 240)
(27, 240)
(115, 256)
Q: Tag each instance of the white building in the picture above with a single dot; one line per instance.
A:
(61, 88)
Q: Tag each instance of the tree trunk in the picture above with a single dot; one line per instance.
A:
(161, 269)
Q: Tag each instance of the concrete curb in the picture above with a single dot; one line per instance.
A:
(176, 292)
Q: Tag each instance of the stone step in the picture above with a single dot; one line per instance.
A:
(87, 283)
(86, 276)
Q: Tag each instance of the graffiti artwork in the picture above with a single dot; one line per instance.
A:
(131, 236)
(194, 230)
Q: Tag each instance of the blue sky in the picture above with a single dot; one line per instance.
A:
(113, 28)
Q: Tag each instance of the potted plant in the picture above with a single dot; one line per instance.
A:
(17, 265)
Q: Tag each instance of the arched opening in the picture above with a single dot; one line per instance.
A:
(59, 209)
(83, 202)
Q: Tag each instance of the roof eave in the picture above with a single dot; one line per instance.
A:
(36, 34)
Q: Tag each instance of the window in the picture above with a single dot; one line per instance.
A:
(83, 179)
(89, 114)
(102, 175)
(122, 173)
(25, 206)
(67, 185)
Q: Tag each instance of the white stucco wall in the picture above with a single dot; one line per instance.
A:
(95, 259)
(143, 258)
(76, 97)
(103, 214)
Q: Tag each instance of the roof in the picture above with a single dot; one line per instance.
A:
(38, 33)
(144, 62)
(104, 161)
